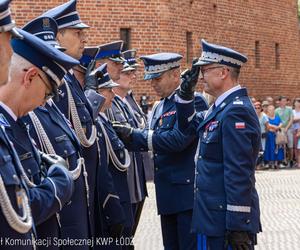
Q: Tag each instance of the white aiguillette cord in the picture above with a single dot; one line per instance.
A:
(73, 114)
(20, 224)
(111, 152)
(47, 145)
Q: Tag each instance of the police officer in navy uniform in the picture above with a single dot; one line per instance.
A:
(142, 119)
(53, 135)
(26, 88)
(72, 101)
(226, 206)
(173, 152)
(18, 200)
(127, 79)
(120, 112)
(109, 214)
(117, 159)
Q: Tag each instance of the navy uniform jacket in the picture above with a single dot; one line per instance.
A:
(43, 203)
(84, 110)
(65, 144)
(174, 168)
(118, 207)
(136, 175)
(12, 183)
(225, 194)
(41, 198)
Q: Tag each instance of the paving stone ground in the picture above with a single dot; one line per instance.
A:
(279, 192)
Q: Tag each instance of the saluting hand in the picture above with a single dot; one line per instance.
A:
(189, 79)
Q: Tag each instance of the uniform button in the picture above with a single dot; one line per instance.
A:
(167, 125)
(156, 169)
(200, 157)
(15, 177)
(29, 170)
(196, 172)
(95, 102)
(247, 221)
(155, 155)
(188, 180)
(66, 152)
(221, 206)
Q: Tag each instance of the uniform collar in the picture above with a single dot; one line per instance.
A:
(222, 97)
(9, 111)
(103, 115)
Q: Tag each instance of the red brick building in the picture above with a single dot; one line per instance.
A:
(266, 31)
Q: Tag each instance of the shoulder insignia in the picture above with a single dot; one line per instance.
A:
(240, 125)
(4, 122)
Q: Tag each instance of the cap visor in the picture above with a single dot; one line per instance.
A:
(112, 85)
(62, 49)
(15, 34)
(151, 76)
(128, 69)
(117, 59)
(79, 26)
(202, 63)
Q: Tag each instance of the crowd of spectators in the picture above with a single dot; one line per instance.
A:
(280, 132)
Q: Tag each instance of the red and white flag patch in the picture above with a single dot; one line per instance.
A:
(240, 125)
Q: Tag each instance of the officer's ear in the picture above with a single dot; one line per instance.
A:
(29, 75)
(224, 73)
(175, 73)
(60, 35)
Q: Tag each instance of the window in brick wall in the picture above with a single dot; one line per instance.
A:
(125, 35)
(257, 54)
(277, 56)
(189, 47)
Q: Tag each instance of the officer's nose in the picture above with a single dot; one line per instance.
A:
(201, 77)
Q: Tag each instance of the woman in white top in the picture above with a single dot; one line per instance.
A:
(296, 130)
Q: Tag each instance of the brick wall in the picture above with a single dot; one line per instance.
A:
(161, 25)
